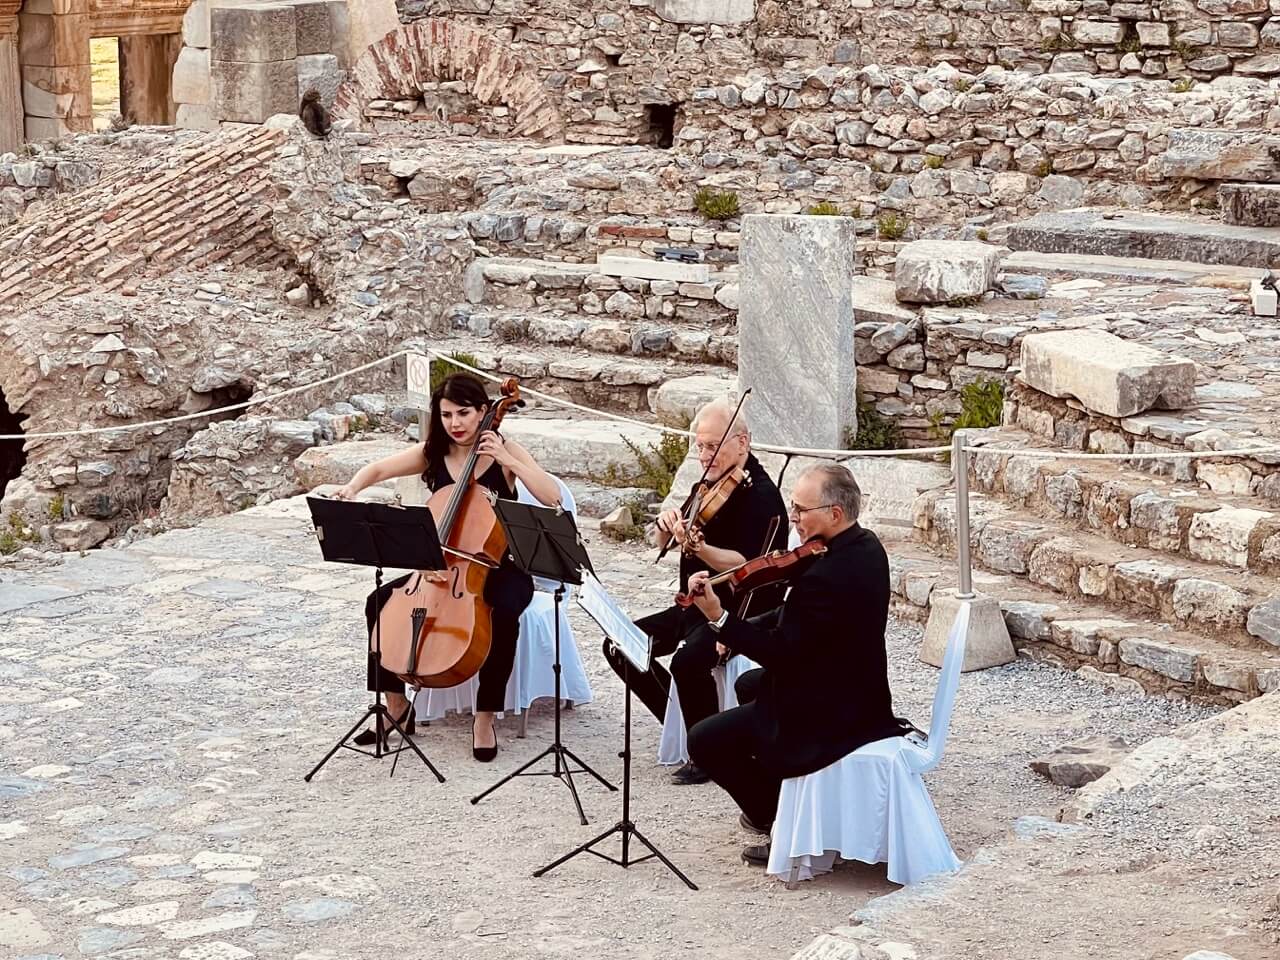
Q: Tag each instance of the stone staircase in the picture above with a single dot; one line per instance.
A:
(1153, 583)
(1137, 235)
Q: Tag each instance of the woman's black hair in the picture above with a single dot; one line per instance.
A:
(462, 389)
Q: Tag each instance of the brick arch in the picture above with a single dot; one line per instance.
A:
(432, 50)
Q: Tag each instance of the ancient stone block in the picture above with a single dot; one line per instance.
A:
(1204, 601)
(622, 265)
(252, 92)
(937, 271)
(1030, 621)
(1264, 621)
(1153, 34)
(1146, 583)
(79, 534)
(1097, 31)
(1250, 204)
(261, 33)
(1197, 154)
(677, 401)
(315, 26)
(1055, 564)
(195, 24)
(874, 301)
(322, 74)
(1176, 663)
(1108, 375)
(705, 11)
(196, 116)
(795, 341)
(191, 80)
(1222, 536)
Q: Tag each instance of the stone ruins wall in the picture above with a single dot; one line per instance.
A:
(658, 51)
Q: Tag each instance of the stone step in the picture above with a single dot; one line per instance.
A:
(1127, 233)
(1238, 608)
(1128, 654)
(1211, 519)
(599, 381)
(609, 336)
(1132, 268)
(585, 288)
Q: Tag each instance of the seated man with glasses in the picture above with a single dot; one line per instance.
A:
(823, 690)
(734, 535)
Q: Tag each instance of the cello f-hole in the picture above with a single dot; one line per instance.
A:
(455, 590)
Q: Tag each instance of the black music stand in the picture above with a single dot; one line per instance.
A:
(544, 542)
(639, 659)
(376, 535)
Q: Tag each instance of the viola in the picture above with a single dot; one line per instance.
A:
(776, 567)
(436, 632)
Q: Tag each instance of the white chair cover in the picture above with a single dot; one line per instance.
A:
(532, 676)
(673, 746)
(872, 805)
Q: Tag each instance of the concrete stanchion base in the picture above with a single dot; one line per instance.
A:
(988, 643)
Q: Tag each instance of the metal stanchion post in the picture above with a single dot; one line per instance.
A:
(960, 463)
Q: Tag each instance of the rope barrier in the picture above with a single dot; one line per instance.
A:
(147, 424)
(788, 452)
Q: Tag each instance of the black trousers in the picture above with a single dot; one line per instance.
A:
(494, 673)
(690, 667)
(725, 747)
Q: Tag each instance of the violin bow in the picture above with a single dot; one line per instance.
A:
(745, 603)
(695, 499)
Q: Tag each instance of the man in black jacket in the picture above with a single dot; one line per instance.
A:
(824, 688)
(734, 535)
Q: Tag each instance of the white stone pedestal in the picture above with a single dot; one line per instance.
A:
(988, 643)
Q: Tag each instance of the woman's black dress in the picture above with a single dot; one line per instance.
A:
(507, 590)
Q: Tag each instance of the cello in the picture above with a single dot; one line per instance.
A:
(436, 632)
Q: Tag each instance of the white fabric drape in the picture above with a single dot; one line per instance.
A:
(673, 746)
(872, 805)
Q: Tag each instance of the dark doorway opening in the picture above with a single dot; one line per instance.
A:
(227, 396)
(661, 118)
(12, 456)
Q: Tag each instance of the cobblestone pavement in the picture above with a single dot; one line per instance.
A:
(161, 703)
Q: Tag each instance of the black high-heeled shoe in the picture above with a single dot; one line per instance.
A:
(366, 738)
(483, 754)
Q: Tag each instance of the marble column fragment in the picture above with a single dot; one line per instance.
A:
(795, 329)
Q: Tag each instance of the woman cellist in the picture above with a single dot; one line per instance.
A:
(458, 406)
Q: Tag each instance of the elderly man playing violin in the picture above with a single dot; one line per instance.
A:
(823, 690)
(734, 534)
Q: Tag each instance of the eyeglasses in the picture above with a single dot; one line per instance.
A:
(794, 512)
(711, 447)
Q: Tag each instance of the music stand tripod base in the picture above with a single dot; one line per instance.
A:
(376, 535)
(624, 826)
(545, 543)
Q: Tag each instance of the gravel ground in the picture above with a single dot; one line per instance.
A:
(160, 704)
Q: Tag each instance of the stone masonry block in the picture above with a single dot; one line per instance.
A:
(322, 73)
(251, 92)
(1222, 536)
(1165, 659)
(1108, 375)
(259, 33)
(196, 116)
(937, 271)
(195, 24)
(705, 11)
(315, 26)
(191, 83)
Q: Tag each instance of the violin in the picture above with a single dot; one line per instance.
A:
(706, 499)
(776, 567)
(705, 502)
(437, 633)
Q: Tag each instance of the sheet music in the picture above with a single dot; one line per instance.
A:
(630, 640)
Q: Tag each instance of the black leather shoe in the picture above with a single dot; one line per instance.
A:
(690, 774)
(757, 855)
(748, 825)
(365, 738)
(483, 754)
